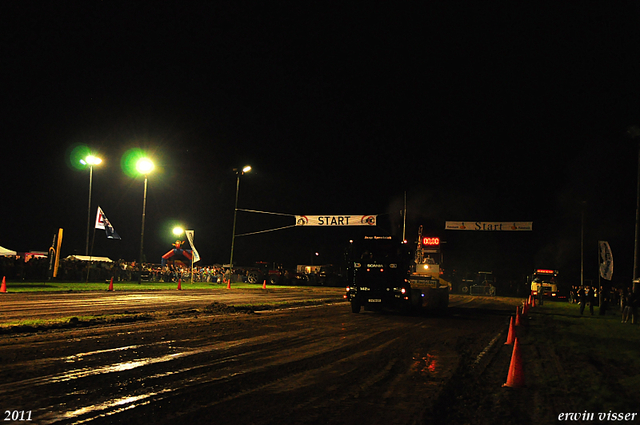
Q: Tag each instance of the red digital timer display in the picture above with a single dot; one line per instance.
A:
(427, 241)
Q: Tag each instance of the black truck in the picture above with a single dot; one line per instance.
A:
(378, 274)
(380, 277)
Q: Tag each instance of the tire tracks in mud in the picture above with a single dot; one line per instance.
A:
(288, 382)
(476, 393)
(315, 365)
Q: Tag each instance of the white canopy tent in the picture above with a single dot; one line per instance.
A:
(89, 258)
(4, 252)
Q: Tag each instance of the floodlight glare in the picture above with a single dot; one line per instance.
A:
(91, 160)
(246, 168)
(144, 166)
(178, 231)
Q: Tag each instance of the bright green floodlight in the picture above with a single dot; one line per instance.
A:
(178, 231)
(144, 166)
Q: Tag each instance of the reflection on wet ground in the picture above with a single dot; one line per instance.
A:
(282, 361)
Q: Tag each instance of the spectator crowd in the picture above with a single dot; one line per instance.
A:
(14, 268)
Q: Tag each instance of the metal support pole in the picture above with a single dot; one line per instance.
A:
(635, 245)
(404, 217)
(582, 248)
(144, 209)
(235, 213)
(86, 251)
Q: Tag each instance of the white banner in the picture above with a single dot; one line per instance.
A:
(196, 256)
(606, 260)
(492, 226)
(336, 220)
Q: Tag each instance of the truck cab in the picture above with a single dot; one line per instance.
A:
(544, 282)
(378, 274)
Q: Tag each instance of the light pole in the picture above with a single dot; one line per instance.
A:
(90, 160)
(144, 166)
(246, 169)
(634, 132)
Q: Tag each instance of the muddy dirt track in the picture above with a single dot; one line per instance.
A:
(308, 365)
(42, 305)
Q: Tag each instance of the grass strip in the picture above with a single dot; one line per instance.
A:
(598, 355)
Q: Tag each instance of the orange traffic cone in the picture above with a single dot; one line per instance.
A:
(515, 378)
(533, 301)
(3, 288)
(229, 283)
(518, 316)
(264, 284)
(110, 285)
(512, 332)
(179, 284)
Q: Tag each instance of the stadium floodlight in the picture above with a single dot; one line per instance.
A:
(144, 166)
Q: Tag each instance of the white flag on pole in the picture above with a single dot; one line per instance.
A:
(190, 234)
(102, 222)
(606, 260)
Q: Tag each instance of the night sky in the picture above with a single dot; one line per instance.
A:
(480, 112)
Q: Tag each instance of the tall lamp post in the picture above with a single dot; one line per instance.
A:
(634, 132)
(90, 160)
(144, 166)
(246, 169)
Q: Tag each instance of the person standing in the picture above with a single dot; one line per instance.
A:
(582, 299)
(626, 308)
(604, 301)
(539, 290)
(592, 298)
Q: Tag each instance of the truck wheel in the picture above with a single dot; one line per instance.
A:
(355, 307)
(465, 289)
(253, 277)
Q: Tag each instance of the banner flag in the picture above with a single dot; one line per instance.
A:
(491, 226)
(103, 223)
(606, 260)
(336, 220)
(190, 234)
